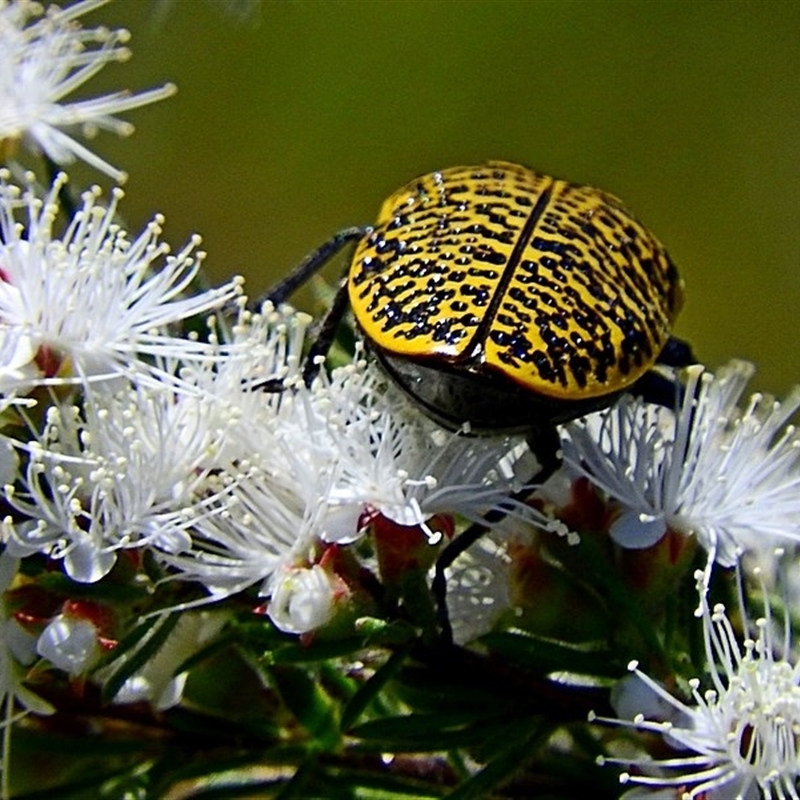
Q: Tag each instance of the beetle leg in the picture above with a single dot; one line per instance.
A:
(659, 389)
(676, 353)
(311, 264)
(546, 446)
(269, 386)
(451, 552)
(326, 333)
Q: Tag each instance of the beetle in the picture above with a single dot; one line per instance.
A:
(507, 301)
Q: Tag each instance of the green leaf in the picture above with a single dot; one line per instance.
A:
(258, 634)
(219, 767)
(368, 691)
(380, 633)
(543, 656)
(622, 598)
(89, 787)
(309, 704)
(214, 648)
(127, 643)
(296, 787)
(151, 636)
(107, 591)
(299, 653)
(32, 740)
(245, 787)
(498, 771)
(457, 689)
(259, 730)
(509, 761)
(383, 784)
(419, 733)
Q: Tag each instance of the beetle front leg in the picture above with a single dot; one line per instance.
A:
(310, 265)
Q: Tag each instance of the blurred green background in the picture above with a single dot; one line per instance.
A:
(298, 117)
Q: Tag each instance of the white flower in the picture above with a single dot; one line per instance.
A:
(302, 599)
(242, 382)
(9, 461)
(378, 452)
(724, 473)
(316, 462)
(131, 470)
(18, 367)
(269, 516)
(69, 643)
(259, 527)
(46, 57)
(17, 650)
(91, 304)
(478, 589)
(156, 682)
(742, 732)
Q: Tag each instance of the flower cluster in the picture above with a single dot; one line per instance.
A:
(46, 56)
(728, 475)
(169, 475)
(741, 731)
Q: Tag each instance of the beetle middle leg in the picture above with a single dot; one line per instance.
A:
(659, 389)
(545, 443)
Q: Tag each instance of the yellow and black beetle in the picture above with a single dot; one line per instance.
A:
(505, 300)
